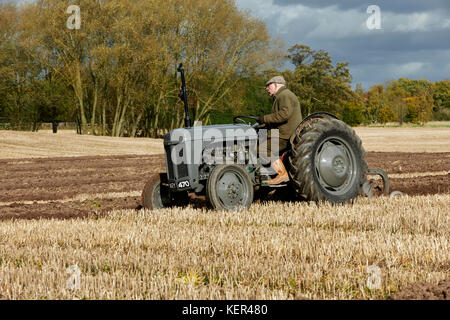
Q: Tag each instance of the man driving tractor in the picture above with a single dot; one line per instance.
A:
(324, 156)
(286, 115)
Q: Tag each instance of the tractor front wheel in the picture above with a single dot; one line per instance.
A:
(229, 187)
(157, 195)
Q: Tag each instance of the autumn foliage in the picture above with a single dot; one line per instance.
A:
(119, 68)
(116, 74)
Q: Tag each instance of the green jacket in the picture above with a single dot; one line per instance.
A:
(286, 113)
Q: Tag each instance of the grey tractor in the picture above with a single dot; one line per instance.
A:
(325, 161)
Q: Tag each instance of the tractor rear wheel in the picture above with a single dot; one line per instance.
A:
(327, 161)
(229, 187)
(157, 195)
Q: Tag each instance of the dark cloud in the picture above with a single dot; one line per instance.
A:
(397, 6)
(413, 42)
(396, 43)
(379, 57)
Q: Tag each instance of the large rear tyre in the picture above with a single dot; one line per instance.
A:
(156, 194)
(229, 187)
(328, 161)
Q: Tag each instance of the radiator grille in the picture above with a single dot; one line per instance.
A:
(169, 162)
(182, 170)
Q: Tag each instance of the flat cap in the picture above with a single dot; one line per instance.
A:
(277, 79)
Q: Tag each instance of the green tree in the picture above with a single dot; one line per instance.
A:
(121, 64)
(385, 115)
(441, 98)
(320, 85)
(395, 99)
(352, 113)
(418, 95)
(374, 103)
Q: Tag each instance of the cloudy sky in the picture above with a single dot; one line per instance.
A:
(413, 41)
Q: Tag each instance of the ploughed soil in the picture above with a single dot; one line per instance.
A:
(75, 187)
(401, 163)
(424, 291)
(52, 187)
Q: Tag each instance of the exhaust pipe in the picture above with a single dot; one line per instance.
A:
(183, 96)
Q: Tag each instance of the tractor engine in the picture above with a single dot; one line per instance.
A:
(191, 153)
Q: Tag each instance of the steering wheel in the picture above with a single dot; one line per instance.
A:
(241, 119)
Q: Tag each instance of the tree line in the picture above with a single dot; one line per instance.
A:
(116, 75)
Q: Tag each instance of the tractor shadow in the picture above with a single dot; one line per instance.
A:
(261, 196)
(282, 195)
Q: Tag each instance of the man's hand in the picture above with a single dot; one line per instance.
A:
(260, 120)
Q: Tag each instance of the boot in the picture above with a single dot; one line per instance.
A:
(282, 175)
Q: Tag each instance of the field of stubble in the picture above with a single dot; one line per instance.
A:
(82, 212)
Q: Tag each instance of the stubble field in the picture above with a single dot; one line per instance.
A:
(70, 201)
